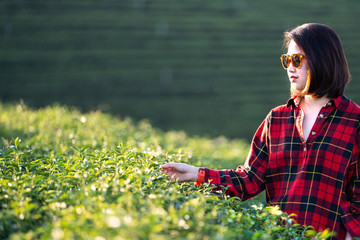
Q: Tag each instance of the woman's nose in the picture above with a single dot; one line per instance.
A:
(291, 68)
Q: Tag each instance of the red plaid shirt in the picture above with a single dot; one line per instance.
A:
(317, 179)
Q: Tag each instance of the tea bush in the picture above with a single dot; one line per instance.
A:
(68, 175)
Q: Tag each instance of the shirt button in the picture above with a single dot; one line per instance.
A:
(313, 133)
(321, 115)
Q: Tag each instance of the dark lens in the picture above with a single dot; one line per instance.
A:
(284, 61)
(296, 60)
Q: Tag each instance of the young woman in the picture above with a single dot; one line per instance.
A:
(305, 154)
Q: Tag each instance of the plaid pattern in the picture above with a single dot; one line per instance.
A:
(317, 179)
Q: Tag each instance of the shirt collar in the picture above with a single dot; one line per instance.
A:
(295, 101)
(337, 101)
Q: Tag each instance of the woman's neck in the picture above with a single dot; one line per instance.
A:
(310, 101)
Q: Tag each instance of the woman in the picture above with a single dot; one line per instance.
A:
(305, 154)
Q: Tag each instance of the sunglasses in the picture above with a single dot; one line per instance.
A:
(295, 59)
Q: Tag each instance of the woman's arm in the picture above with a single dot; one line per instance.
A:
(351, 219)
(245, 182)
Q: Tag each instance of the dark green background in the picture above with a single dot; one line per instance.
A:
(206, 67)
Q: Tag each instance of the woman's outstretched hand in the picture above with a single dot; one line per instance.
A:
(181, 172)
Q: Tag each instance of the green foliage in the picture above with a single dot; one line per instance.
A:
(93, 176)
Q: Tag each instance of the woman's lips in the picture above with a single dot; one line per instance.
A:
(293, 78)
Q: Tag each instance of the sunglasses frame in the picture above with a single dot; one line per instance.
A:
(290, 59)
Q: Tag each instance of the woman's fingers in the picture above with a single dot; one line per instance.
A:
(180, 167)
(174, 171)
(180, 171)
(167, 169)
(170, 165)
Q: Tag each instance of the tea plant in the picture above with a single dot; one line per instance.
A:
(67, 175)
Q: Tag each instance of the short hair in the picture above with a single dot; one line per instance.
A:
(328, 68)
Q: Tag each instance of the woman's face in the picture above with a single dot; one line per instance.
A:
(297, 76)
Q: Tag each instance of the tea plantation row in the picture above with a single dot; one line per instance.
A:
(68, 175)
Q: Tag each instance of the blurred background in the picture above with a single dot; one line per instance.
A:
(206, 67)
